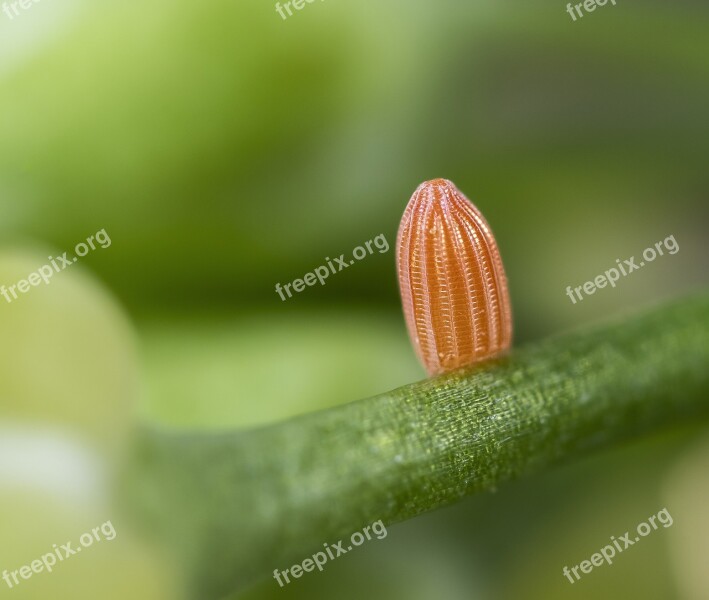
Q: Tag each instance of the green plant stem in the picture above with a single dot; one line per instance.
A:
(234, 506)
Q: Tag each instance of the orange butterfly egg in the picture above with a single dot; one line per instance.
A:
(452, 282)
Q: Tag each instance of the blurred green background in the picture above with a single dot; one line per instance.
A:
(226, 150)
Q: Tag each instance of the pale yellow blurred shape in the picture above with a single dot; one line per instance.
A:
(687, 493)
(123, 567)
(68, 383)
(66, 353)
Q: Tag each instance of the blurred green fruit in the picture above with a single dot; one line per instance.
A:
(67, 357)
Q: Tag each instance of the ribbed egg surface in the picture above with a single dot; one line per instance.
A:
(452, 282)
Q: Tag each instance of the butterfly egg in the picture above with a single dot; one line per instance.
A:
(452, 282)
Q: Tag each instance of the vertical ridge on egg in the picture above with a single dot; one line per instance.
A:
(453, 285)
